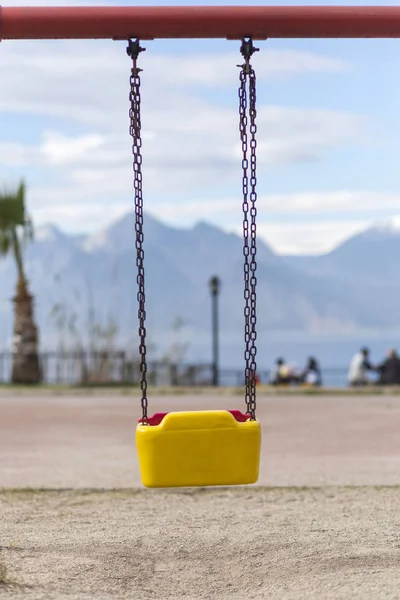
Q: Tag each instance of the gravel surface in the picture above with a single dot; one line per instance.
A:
(222, 544)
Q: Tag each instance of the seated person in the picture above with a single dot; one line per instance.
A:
(389, 370)
(311, 375)
(282, 373)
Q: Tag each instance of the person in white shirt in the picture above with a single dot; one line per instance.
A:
(359, 367)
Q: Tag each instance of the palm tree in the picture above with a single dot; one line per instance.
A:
(15, 230)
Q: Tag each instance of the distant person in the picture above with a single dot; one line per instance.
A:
(359, 367)
(311, 375)
(389, 370)
(281, 373)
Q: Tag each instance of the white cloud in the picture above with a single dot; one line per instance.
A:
(180, 153)
(311, 203)
(80, 217)
(210, 70)
(308, 238)
(320, 202)
(392, 224)
(87, 81)
(59, 149)
(190, 142)
(99, 58)
(13, 154)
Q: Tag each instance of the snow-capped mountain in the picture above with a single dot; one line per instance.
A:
(93, 280)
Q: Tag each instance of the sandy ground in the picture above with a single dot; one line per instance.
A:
(219, 544)
(285, 543)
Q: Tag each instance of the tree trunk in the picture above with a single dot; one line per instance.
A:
(26, 367)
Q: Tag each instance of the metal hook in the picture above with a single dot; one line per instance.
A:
(133, 50)
(247, 50)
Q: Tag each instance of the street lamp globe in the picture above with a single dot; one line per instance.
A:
(215, 284)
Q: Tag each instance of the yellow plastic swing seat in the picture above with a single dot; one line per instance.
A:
(199, 448)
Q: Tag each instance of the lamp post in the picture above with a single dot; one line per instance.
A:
(215, 285)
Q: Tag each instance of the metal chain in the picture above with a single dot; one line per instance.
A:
(247, 74)
(247, 116)
(133, 50)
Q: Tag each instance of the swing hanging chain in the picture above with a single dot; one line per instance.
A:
(133, 50)
(247, 120)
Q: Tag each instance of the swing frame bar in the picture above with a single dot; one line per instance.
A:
(229, 22)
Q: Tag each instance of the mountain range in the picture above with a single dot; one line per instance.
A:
(87, 282)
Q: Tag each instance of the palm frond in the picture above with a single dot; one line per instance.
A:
(5, 241)
(13, 218)
(12, 207)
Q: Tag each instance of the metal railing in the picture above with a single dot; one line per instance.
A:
(119, 368)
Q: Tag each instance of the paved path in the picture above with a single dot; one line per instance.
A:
(69, 441)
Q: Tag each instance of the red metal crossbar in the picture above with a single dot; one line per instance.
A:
(232, 22)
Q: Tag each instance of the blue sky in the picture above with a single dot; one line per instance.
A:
(329, 131)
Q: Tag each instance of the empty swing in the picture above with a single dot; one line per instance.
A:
(205, 447)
